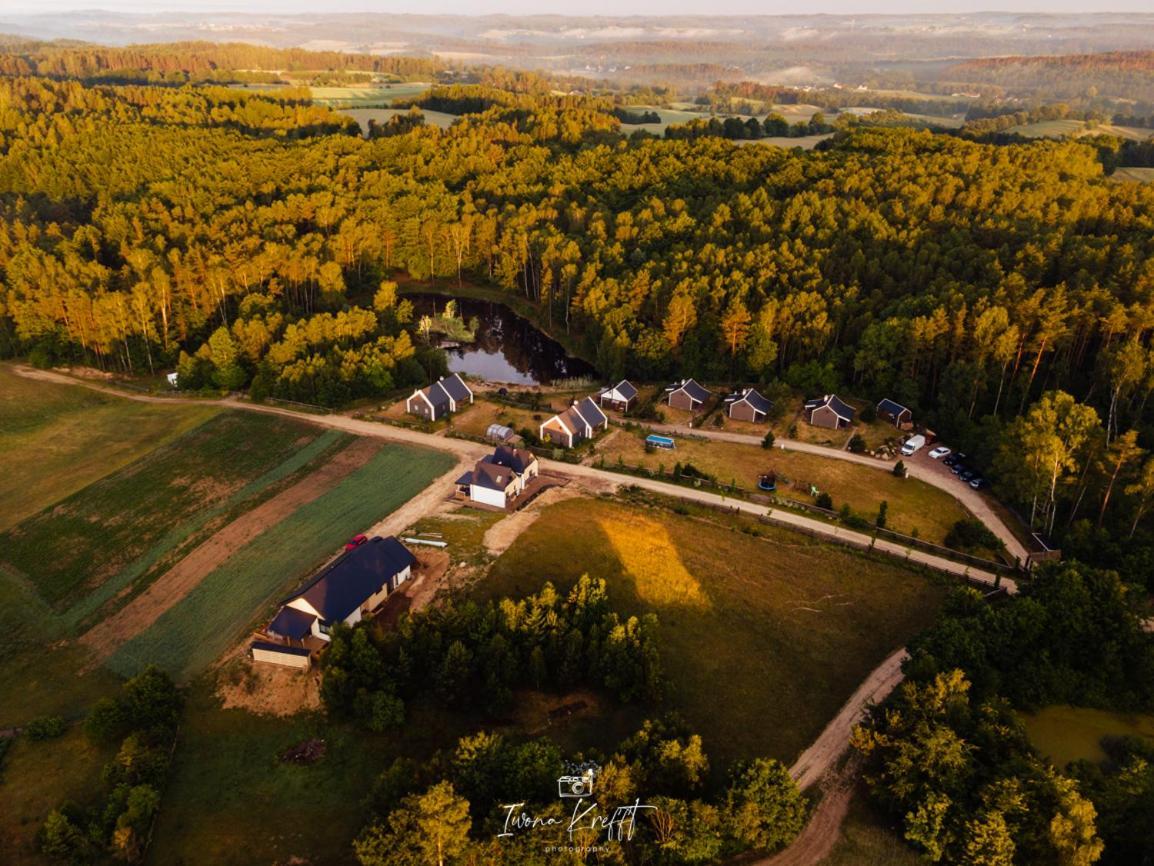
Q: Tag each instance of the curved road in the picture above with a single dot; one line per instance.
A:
(466, 449)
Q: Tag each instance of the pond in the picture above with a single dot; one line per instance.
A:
(505, 348)
(1065, 734)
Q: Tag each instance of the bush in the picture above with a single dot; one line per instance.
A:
(824, 500)
(857, 444)
(45, 728)
(869, 414)
(767, 442)
(969, 534)
(883, 511)
(900, 469)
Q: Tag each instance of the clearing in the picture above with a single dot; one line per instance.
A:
(913, 504)
(763, 637)
(1064, 734)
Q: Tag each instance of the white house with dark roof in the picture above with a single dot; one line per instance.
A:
(448, 394)
(619, 396)
(687, 394)
(349, 589)
(829, 411)
(499, 478)
(581, 421)
(747, 405)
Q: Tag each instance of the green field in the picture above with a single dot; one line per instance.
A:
(215, 615)
(913, 504)
(763, 638)
(1065, 734)
(369, 95)
(57, 439)
(74, 547)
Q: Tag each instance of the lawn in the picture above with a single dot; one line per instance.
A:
(475, 420)
(35, 779)
(57, 439)
(192, 634)
(231, 802)
(1141, 175)
(91, 536)
(763, 638)
(913, 504)
(363, 115)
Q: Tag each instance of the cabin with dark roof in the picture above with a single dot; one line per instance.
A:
(896, 414)
(830, 412)
(448, 394)
(581, 421)
(348, 590)
(687, 394)
(499, 478)
(747, 405)
(618, 397)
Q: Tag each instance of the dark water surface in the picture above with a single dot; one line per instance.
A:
(507, 349)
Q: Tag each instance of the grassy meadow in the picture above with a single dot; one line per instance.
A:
(1065, 734)
(913, 504)
(58, 439)
(868, 840)
(763, 637)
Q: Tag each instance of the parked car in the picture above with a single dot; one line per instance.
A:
(968, 475)
(950, 460)
(939, 452)
(957, 467)
(355, 542)
(979, 483)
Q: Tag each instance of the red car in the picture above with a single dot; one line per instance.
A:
(355, 541)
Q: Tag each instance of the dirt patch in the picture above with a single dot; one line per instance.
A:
(418, 592)
(501, 535)
(269, 690)
(172, 586)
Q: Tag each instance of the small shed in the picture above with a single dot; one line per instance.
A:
(499, 433)
(895, 413)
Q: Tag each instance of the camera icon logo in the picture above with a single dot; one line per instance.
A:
(573, 787)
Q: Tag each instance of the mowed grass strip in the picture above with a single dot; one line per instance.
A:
(82, 541)
(913, 504)
(58, 439)
(763, 638)
(214, 616)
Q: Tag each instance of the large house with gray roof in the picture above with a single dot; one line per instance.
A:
(583, 420)
(499, 478)
(747, 405)
(829, 411)
(687, 394)
(347, 591)
(448, 394)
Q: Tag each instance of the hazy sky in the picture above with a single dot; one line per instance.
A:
(586, 7)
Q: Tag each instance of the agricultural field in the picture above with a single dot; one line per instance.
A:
(367, 95)
(363, 115)
(1141, 175)
(1077, 129)
(57, 439)
(763, 636)
(913, 505)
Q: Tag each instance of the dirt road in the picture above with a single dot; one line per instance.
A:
(471, 451)
(167, 590)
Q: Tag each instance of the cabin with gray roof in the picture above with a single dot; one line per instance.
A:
(619, 396)
(830, 412)
(747, 405)
(583, 420)
(447, 395)
(687, 394)
(896, 414)
(346, 591)
(499, 478)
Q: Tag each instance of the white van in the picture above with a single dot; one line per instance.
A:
(913, 445)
